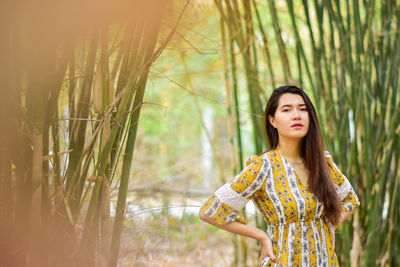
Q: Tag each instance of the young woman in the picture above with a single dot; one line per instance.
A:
(297, 187)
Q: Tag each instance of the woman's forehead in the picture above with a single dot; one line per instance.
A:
(291, 100)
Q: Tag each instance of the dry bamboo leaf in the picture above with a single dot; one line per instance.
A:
(93, 179)
(50, 156)
(98, 91)
(69, 212)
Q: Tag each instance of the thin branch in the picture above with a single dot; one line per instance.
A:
(204, 97)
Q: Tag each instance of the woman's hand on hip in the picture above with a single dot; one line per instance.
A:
(267, 250)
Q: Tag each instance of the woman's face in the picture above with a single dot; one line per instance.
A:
(291, 117)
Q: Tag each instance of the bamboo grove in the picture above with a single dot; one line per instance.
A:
(347, 55)
(60, 161)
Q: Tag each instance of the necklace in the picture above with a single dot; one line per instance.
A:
(292, 161)
(296, 163)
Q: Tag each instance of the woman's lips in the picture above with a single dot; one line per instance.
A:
(297, 125)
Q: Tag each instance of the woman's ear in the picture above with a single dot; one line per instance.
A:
(271, 120)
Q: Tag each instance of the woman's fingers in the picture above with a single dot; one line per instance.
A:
(333, 237)
(267, 252)
(332, 230)
(263, 262)
(270, 251)
(273, 258)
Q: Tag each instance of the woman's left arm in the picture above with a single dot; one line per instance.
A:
(346, 194)
(344, 216)
(344, 189)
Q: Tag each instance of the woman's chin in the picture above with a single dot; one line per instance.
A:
(297, 136)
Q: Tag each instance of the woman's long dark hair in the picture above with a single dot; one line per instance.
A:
(312, 151)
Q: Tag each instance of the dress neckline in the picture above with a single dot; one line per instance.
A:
(299, 182)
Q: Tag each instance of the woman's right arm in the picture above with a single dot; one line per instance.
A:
(245, 230)
(236, 227)
(223, 208)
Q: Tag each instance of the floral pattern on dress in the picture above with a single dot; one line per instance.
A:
(296, 222)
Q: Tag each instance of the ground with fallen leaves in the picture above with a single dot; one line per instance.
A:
(164, 240)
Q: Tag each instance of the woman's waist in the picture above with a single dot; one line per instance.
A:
(296, 221)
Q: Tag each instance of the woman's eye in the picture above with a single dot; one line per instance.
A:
(285, 110)
(303, 109)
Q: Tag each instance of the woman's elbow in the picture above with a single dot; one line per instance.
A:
(202, 215)
(348, 214)
(205, 218)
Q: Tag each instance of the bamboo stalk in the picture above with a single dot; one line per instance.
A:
(281, 44)
(265, 44)
(74, 184)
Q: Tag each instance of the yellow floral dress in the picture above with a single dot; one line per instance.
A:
(296, 221)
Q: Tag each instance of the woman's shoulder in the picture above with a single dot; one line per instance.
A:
(272, 153)
(327, 154)
(259, 157)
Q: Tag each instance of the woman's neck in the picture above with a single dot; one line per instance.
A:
(290, 149)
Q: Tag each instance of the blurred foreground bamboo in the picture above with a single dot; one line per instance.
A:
(55, 188)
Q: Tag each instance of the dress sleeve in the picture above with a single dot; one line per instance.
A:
(343, 187)
(226, 203)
